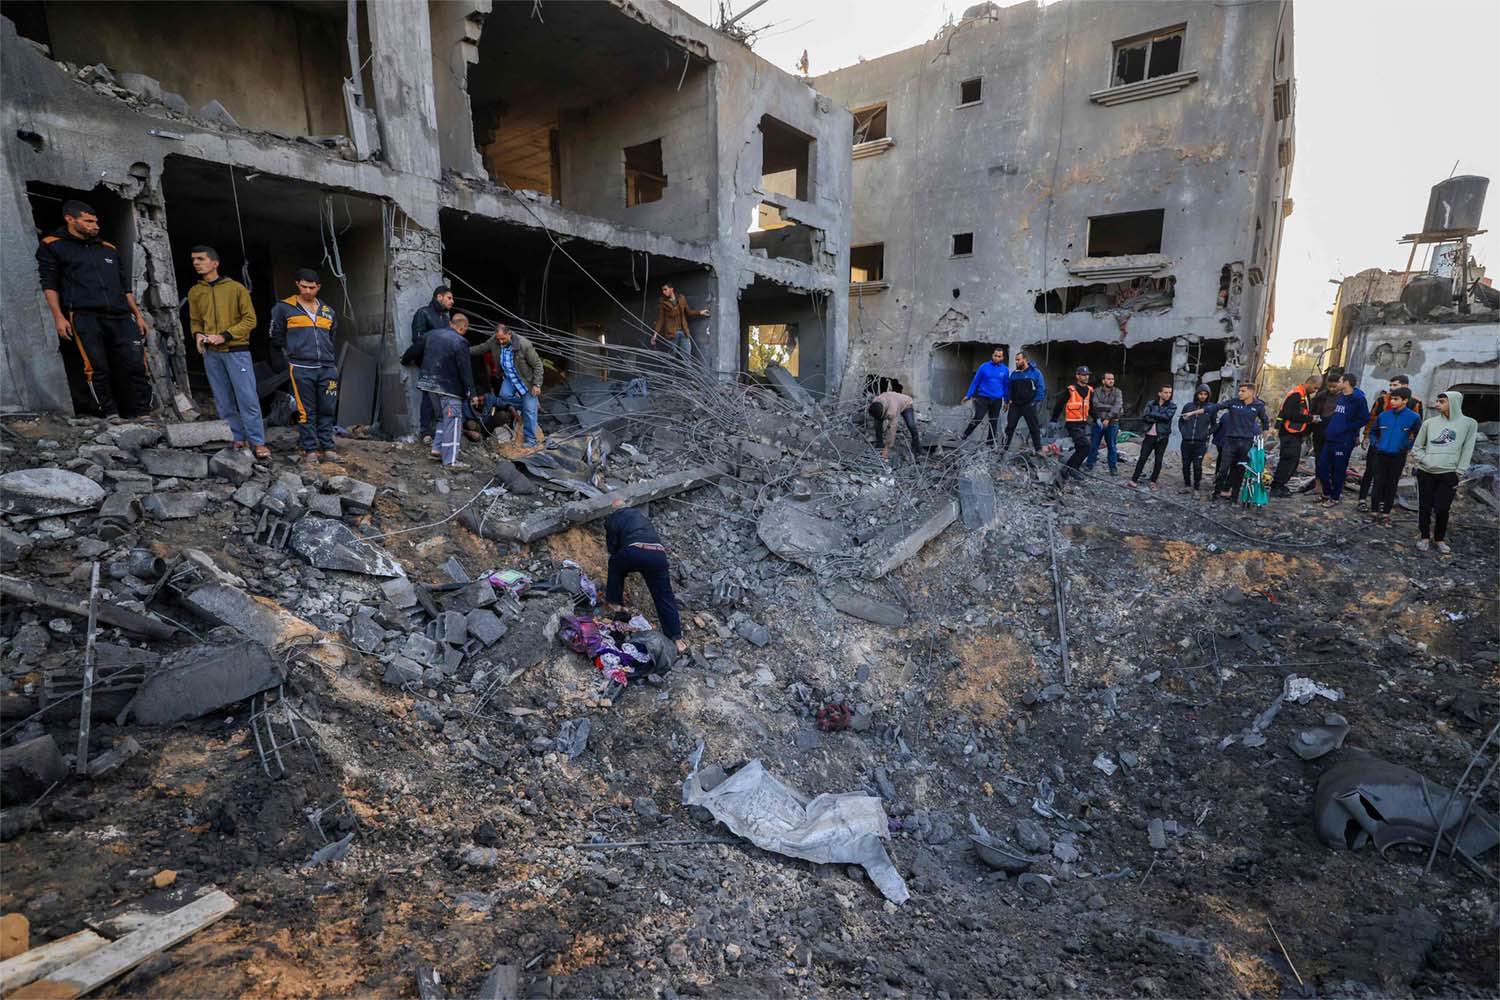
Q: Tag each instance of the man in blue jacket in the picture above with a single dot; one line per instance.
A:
(1395, 430)
(1340, 432)
(1244, 418)
(1025, 392)
(302, 332)
(989, 390)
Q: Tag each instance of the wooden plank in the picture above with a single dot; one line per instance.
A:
(118, 958)
(909, 546)
(38, 962)
(109, 614)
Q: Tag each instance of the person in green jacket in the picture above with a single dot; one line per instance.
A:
(1441, 454)
(221, 319)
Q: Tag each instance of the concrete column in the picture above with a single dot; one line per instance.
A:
(723, 352)
(416, 255)
(1184, 385)
(455, 28)
(401, 58)
(31, 369)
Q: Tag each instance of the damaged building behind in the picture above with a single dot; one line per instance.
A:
(555, 162)
(1099, 184)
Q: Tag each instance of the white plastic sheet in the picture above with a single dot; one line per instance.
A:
(846, 828)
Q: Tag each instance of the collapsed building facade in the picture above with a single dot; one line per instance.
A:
(554, 162)
(1099, 184)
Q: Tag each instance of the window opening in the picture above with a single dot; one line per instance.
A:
(869, 124)
(773, 343)
(867, 263)
(971, 91)
(785, 160)
(963, 244)
(645, 178)
(1126, 233)
(1148, 56)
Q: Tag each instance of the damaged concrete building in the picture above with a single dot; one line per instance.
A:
(1099, 184)
(556, 162)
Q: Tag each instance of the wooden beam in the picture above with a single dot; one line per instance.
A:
(118, 958)
(109, 614)
(553, 520)
(32, 965)
(946, 514)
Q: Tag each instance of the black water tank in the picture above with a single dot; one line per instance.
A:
(1456, 203)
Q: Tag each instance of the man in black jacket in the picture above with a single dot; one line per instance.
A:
(101, 331)
(448, 380)
(634, 547)
(1156, 431)
(1243, 420)
(1197, 427)
(432, 316)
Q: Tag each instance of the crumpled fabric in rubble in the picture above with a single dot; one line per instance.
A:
(846, 828)
(611, 645)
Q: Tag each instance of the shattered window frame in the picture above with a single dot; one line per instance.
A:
(865, 120)
(1146, 47)
(977, 83)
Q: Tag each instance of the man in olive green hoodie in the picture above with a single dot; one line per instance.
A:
(1441, 454)
(222, 318)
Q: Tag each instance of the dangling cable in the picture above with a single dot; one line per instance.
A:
(244, 256)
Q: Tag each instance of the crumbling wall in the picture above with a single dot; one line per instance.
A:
(1434, 356)
(272, 66)
(1024, 169)
(455, 28)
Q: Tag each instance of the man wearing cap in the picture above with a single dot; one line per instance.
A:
(302, 332)
(1074, 406)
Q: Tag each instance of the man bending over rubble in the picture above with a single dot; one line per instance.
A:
(635, 547)
(884, 409)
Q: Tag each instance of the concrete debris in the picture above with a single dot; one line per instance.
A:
(14, 546)
(868, 609)
(47, 493)
(358, 496)
(107, 612)
(1319, 741)
(402, 672)
(197, 681)
(845, 828)
(198, 434)
(235, 466)
(325, 504)
(175, 506)
(1304, 689)
(330, 544)
(485, 626)
(795, 533)
(890, 554)
(28, 768)
(976, 496)
(400, 592)
(175, 463)
(114, 758)
(573, 737)
(263, 621)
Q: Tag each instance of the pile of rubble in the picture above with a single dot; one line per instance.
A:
(947, 703)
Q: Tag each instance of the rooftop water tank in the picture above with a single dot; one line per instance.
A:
(1456, 204)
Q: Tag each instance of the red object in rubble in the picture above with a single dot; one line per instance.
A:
(834, 717)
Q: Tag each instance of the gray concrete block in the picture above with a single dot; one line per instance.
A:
(485, 626)
(170, 462)
(326, 504)
(47, 492)
(199, 433)
(134, 437)
(249, 494)
(357, 495)
(175, 506)
(400, 592)
(452, 628)
(235, 466)
(329, 544)
(402, 671)
(420, 649)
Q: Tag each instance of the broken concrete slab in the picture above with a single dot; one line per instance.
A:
(422, 650)
(785, 383)
(175, 506)
(14, 546)
(400, 592)
(106, 612)
(263, 621)
(134, 437)
(235, 466)
(329, 544)
(452, 628)
(198, 433)
(325, 504)
(197, 681)
(171, 462)
(366, 634)
(485, 626)
(976, 496)
(868, 609)
(514, 479)
(358, 496)
(28, 768)
(249, 494)
(47, 493)
(114, 758)
(402, 671)
(892, 554)
(549, 522)
(796, 534)
(122, 506)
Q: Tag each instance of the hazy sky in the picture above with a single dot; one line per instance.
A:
(1389, 94)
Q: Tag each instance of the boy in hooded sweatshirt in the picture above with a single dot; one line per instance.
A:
(1341, 431)
(1443, 449)
(1196, 430)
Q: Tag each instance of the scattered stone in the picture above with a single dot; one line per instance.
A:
(163, 878)
(573, 737)
(134, 437)
(808, 739)
(480, 857)
(429, 714)
(171, 462)
(329, 544)
(1031, 836)
(712, 777)
(402, 672)
(29, 767)
(754, 633)
(796, 534)
(235, 466)
(249, 494)
(14, 546)
(421, 649)
(456, 571)
(1157, 831)
(868, 609)
(47, 492)
(114, 758)
(1036, 886)
(325, 504)
(1066, 853)
(1130, 759)
(175, 506)
(31, 641)
(645, 808)
(365, 634)
(358, 496)
(400, 592)
(976, 497)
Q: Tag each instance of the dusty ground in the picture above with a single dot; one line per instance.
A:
(1180, 634)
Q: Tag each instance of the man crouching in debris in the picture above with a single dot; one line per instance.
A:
(634, 547)
(448, 377)
(520, 373)
(302, 331)
(884, 409)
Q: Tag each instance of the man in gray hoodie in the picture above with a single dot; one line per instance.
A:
(1441, 454)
